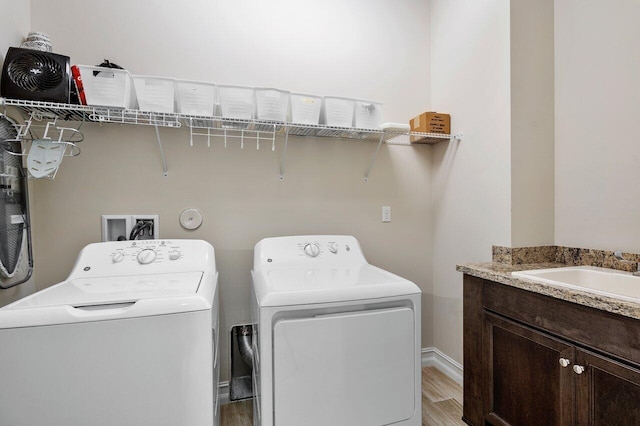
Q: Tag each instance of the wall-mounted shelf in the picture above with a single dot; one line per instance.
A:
(209, 127)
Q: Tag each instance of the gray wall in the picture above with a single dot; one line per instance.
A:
(471, 194)
(450, 202)
(363, 51)
(597, 100)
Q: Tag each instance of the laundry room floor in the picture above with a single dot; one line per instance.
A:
(441, 403)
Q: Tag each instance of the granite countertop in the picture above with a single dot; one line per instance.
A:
(501, 273)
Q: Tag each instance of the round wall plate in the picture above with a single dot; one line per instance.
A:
(191, 219)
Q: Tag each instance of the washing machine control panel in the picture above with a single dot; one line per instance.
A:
(329, 249)
(316, 248)
(307, 249)
(147, 252)
(141, 256)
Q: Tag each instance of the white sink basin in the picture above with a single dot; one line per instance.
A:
(606, 282)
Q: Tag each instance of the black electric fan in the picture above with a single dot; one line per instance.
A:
(36, 76)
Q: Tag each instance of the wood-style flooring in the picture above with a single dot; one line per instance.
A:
(441, 403)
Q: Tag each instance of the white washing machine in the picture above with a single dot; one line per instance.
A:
(337, 340)
(129, 339)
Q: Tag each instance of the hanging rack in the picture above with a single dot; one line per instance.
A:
(229, 130)
(45, 142)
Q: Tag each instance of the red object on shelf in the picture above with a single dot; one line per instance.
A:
(77, 79)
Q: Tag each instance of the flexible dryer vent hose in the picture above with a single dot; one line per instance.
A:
(244, 344)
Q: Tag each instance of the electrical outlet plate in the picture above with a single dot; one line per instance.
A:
(386, 214)
(120, 225)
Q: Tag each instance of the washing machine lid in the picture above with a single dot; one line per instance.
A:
(99, 298)
(326, 284)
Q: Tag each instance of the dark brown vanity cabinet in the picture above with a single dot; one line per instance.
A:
(608, 393)
(524, 382)
(530, 359)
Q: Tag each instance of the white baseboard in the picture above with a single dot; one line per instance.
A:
(433, 357)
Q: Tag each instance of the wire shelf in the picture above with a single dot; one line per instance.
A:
(100, 114)
(228, 129)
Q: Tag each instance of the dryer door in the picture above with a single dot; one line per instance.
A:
(356, 368)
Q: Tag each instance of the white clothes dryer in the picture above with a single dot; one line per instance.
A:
(336, 340)
(129, 339)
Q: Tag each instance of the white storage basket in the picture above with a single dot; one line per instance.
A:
(305, 109)
(236, 101)
(156, 94)
(195, 97)
(109, 87)
(271, 104)
(368, 114)
(338, 112)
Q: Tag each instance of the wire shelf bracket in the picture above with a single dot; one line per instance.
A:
(373, 158)
(284, 152)
(165, 170)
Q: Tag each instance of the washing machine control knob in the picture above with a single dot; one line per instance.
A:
(117, 257)
(147, 256)
(312, 250)
(333, 248)
(174, 255)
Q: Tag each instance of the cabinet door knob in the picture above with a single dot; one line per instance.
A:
(564, 362)
(578, 369)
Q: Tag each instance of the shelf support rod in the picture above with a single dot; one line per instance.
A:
(164, 161)
(284, 151)
(373, 158)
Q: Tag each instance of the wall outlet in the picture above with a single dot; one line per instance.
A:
(386, 214)
(118, 227)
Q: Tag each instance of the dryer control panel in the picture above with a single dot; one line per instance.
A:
(307, 249)
(144, 256)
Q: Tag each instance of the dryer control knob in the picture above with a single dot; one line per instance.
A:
(312, 250)
(117, 257)
(333, 248)
(174, 255)
(147, 256)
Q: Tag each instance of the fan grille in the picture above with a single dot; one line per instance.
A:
(35, 72)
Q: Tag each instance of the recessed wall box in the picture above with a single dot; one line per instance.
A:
(118, 227)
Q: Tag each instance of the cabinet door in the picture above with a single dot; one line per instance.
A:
(608, 392)
(525, 383)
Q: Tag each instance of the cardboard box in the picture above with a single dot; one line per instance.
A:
(431, 122)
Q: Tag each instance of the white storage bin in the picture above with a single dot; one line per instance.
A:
(368, 114)
(195, 97)
(338, 112)
(305, 109)
(155, 94)
(236, 101)
(271, 104)
(107, 87)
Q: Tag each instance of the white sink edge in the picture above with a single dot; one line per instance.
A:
(530, 276)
